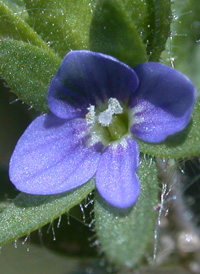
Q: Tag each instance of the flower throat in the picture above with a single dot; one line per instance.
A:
(110, 123)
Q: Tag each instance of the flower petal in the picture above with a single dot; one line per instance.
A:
(116, 178)
(163, 102)
(86, 78)
(51, 156)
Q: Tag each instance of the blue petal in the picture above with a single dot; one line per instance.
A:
(116, 178)
(52, 157)
(87, 78)
(163, 102)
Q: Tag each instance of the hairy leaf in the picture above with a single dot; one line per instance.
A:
(63, 24)
(13, 26)
(30, 212)
(112, 32)
(28, 70)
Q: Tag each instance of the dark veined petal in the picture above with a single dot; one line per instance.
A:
(163, 103)
(86, 78)
(51, 156)
(116, 178)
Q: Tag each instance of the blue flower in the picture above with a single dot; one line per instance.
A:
(99, 106)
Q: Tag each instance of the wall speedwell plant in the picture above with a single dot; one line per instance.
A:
(98, 105)
(92, 68)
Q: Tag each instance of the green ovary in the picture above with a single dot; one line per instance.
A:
(118, 127)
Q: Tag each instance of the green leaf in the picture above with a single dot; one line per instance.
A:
(141, 14)
(152, 20)
(13, 26)
(17, 6)
(130, 29)
(126, 235)
(28, 70)
(181, 145)
(63, 24)
(30, 212)
(185, 44)
(113, 32)
(3, 206)
(159, 28)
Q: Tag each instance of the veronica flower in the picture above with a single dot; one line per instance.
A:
(99, 107)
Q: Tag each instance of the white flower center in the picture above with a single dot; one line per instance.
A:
(105, 117)
(108, 123)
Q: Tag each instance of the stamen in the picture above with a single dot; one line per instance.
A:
(90, 116)
(114, 107)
